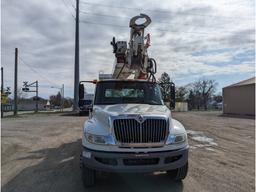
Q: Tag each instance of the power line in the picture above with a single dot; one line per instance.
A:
(71, 2)
(32, 69)
(72, 5)
(114, 25)
(68, 9)
(163, 30)
(165, 11)
(161, 22)
(110, 6)
(121, 26)
(23, 52)
(104, 15)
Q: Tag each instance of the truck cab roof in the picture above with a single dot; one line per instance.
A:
(124, 80)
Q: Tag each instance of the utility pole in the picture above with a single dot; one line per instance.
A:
(2, 80)
(36, 96)
(76, 74)
(2, 91)
(63, 98)
(15, 82)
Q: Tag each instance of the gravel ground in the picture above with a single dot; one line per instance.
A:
(41, 153)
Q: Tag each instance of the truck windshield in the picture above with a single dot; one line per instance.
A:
(117, 92)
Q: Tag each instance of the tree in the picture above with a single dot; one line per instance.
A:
(208, 87)
(191, 100)
(164, 81)
(201, 90)
(56, 99)
(218, 98)
(68, 102)
(181, 93)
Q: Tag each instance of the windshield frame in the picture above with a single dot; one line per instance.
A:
(100, 92)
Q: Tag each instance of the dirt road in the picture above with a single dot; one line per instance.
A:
(41, 153)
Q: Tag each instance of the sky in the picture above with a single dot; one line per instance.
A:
(190, 40)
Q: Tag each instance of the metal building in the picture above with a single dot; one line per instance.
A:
(239, 98)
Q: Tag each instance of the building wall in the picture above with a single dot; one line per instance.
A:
(181, 106)
(239, 100)
(30, 107)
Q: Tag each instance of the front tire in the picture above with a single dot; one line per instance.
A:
(88, 176)
(180, 173)
(81, 113)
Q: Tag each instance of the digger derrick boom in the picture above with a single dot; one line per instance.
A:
(132, 61)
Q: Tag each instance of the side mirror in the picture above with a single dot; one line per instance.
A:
(81, 91)
(172, 95)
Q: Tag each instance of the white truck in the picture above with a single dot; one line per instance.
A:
(130, 129)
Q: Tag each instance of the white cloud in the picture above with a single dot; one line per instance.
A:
(44, 33)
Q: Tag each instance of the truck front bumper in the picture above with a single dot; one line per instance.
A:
(134, 162)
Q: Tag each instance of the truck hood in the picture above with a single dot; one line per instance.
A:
(99, 123)
(124, 109)
(101, 113)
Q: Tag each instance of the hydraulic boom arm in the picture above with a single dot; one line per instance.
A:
(133, 62)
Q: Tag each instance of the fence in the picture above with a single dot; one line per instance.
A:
(6, 107)
(181, 106)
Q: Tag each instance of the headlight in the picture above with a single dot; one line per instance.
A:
(100, 139)
(176, 139)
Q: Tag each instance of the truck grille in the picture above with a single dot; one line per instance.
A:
(131, 131)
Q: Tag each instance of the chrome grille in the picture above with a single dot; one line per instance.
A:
(131, 131)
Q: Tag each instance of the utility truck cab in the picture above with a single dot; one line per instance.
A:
(130, 129)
